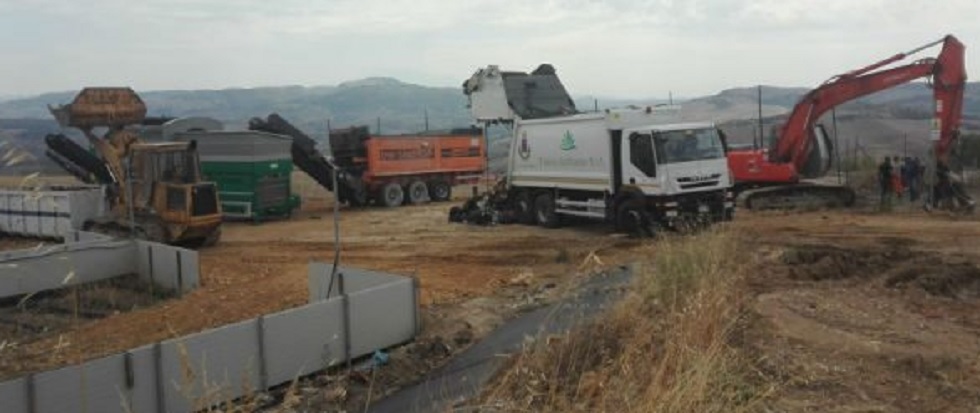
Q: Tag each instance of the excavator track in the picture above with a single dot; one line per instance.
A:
(798, 196)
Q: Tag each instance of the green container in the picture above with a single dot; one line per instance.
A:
(253, 190)
(253, 171)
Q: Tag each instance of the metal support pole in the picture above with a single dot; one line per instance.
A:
(336, 232)
(762, 134)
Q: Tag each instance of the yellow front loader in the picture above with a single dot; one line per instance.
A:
(157, 191)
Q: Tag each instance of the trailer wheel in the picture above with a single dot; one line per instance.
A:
(524, 208)
(418, 192)
(392, 195)
(544, 211)
(440, 190)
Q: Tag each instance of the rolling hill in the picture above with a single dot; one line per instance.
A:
(878, 121)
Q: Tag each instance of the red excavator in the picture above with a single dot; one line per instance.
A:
(772, 177)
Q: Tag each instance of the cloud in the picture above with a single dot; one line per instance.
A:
(618, 47)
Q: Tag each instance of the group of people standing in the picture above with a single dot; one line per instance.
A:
(899, 176)
(896, 177)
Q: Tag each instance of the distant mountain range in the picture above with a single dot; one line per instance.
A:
(399, 107)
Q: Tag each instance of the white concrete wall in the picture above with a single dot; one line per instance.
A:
(284, 345)
(95, 257)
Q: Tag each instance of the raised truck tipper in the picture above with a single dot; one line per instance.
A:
(637, 168)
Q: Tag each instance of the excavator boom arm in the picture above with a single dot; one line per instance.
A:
(948, 80)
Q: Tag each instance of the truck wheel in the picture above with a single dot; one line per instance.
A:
(392, 195)
(440, 190)
(544, 211)
(523, 208)
(632, 219)
(418, 193)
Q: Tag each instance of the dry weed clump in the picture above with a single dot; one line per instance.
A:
(666, 347)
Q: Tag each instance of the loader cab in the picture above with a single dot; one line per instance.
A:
(671, 159)
(167, 178)
(175, 163)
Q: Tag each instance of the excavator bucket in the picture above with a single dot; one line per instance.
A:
(101, 106)
(822, 155)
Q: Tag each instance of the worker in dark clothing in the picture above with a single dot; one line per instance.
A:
(910, 172)
(885, 181)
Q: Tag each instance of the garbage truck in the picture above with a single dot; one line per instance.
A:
(639, 168)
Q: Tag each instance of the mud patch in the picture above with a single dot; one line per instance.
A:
(823, 262)
(937, 277)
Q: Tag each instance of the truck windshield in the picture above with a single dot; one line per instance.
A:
(686, 145)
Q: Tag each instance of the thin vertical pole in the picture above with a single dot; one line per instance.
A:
(761, 129)
(426, 119)
(595, 104)
(336, 232)
(670, 97)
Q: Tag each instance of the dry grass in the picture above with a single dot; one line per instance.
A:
(669, 346)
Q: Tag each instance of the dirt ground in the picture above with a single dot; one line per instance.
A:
(856, 311)
(262, 268)
(864, 312)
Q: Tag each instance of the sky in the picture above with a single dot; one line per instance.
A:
(615, 48)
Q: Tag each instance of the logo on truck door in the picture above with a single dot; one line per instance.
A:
(524, 150)
(568, 141)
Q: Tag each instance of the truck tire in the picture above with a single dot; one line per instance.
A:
(418, 193)
(524, 208)
(544, 211)
(631, 218)
(391, 195)
(440, 190)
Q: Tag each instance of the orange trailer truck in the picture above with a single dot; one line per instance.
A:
(392, 170)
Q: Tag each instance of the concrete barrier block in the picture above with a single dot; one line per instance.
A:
(142, 397)
(382, 316)
(13, 396)
(355, 279)
(303, 340)
(50, 268)
(168, 266)
(211, 366)
(96, 386)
